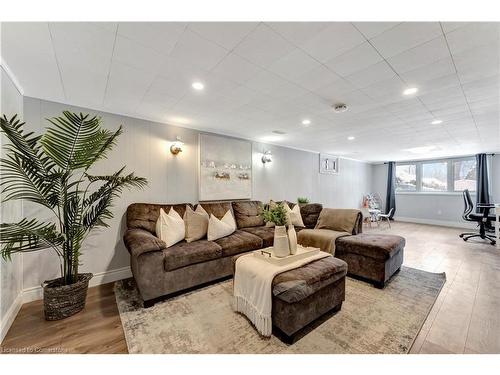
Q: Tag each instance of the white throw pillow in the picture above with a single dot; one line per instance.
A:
(170, 228)
(293, 215)
(220, 228)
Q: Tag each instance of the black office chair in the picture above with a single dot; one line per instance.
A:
(482, 220)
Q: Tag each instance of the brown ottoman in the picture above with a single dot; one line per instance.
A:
(302, 295)
(371, 257)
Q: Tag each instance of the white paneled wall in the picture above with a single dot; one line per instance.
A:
(10, 271)
(144, 149)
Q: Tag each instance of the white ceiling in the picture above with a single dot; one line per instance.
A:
(261, 77)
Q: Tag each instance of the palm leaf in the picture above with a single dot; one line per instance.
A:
(71, 142)
(28, 235)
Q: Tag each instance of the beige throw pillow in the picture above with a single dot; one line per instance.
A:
(196, 223)
(170, 228)
(293, 215)
(220, 228)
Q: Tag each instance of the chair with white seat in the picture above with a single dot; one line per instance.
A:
(387, 216)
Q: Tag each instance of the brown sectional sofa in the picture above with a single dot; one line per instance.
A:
(160, 271)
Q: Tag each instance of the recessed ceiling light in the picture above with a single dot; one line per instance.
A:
(351, 138)
(436, 122)
(198, 86)
(410, 91)
(306, 122)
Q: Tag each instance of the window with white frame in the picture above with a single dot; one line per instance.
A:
(427, 176)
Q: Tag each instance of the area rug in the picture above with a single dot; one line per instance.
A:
(202, 321)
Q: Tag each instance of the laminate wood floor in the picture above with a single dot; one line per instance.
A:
(464, 319)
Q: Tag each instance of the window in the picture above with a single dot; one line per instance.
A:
(464, 175)
(406, 177)
(435, 176)
(447, 175)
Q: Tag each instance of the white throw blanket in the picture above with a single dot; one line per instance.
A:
(252, 288)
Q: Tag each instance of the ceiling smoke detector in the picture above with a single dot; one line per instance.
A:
(339, 108)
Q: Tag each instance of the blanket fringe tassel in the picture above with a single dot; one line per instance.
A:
(264, 324)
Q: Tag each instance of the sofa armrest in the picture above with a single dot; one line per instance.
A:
(140, 241)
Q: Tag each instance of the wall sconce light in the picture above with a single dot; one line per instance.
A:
(176, 146)
(267, 157)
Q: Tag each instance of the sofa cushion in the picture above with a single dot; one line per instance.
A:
(339, 219)
(297, 284)
(218, 209)
(184, 254)
(145, 215)
(247, 214)
(238, 242)
(377, 246)
(310, 213)
(263, 232)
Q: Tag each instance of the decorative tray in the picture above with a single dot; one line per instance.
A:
(267, 255)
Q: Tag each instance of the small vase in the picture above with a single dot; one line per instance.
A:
(280, 247)
(292, 239)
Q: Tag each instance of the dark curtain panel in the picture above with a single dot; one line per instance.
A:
(390, 200)
(482, 190)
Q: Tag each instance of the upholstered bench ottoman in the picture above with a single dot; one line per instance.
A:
(304, 294)
(372, 257)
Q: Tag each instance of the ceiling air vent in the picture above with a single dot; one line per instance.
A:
(280, 132)
(339, 108)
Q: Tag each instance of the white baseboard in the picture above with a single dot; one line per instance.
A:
(10, 316)
(442, 223)
(36, 293)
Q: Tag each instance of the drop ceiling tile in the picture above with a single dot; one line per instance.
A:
(404, 36)
(126, 87)
(27, 49)
(192, 49)
(316, 78)
(128, 52)
(263, 46)
(441, 68)
(354, 60)
(451, 26)
(237, 69)
(294, 65)
(388, 88)
(422, 55)
(161, 36)
(273, 85)
(298, 32)
(334, 40)
(375, 73)
(372, 29)
(225, 34)
(335, 90)
(473, 35)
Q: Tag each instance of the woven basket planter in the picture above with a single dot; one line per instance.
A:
(61, 301)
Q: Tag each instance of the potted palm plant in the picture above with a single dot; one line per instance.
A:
(53, 170)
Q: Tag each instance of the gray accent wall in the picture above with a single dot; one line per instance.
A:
(11, 103)
(144, 149)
